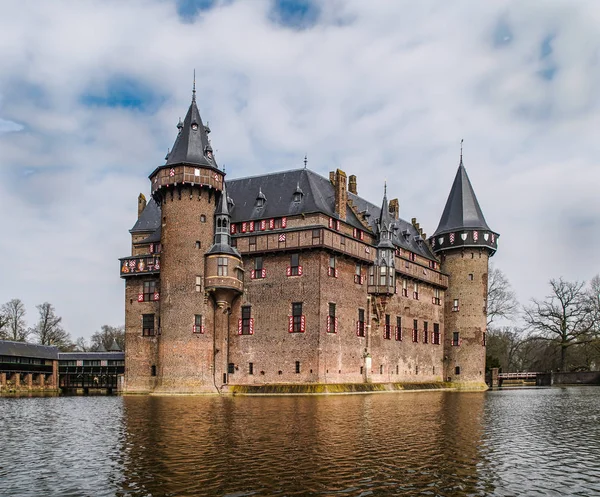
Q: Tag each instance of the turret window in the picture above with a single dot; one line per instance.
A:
(222, 266)
(455, 306)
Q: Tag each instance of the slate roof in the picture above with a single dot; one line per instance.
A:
(149, 220)
(191, 145)
(23, 349)
(462, 210)
(278, 189)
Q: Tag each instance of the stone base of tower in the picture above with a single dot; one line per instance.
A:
(185, 387)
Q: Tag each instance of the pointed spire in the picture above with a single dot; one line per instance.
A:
(194, 88)
(192, 145)
(385, 222)
(305, 160)
(462, 209)
(223, 207)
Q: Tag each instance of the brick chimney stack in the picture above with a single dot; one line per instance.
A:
(141, 204)
(395, 208)
(352, 188)
(341, 193)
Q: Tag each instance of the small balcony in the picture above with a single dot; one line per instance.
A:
(139, 265)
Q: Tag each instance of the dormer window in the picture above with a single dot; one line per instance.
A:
(194, 126)
(260, 199)
(298, 194)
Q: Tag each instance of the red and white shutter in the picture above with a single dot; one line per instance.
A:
(336, 325)
(252, 274)
(337, 225)
(284, 222)
(232, 228)
(358, 328)
(251, 226)
(244, 227)
(331, 222)
(335, 273)
(328, 324)
(271, 224)
(291, 324)
(355, 233)
(263, 225)
(156, 296)
(288, 271)
(263, 272)
(151, 248)
(362, 279)
(299, 270)
(140, 297)
(252, 326)
(240, 326)
(361, 234)
(302, 324)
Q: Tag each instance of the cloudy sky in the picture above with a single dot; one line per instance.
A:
(91, 91)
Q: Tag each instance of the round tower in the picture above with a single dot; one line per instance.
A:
(464, 242)
(187, 188)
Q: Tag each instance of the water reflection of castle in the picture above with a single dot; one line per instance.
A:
(292, 278)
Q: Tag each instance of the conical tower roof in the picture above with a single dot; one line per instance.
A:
(191, 145)
(223, 205)
(462, 209)
(114, 346)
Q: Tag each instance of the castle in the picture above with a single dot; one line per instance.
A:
(293, 278)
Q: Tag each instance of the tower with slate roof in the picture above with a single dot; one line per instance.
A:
(464, 242)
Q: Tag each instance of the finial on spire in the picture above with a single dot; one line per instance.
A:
(305, 160)
(194, 88)
(385, 188)
(461, 149)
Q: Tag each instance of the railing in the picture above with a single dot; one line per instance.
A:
(178, 175)
(517, 376)
(140, 265)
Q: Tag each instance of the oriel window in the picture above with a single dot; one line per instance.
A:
(222, 266)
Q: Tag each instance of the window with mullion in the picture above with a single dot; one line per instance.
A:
(246, 317)
(297, 317)
(148, 325)
(149, 289)
(295, 264)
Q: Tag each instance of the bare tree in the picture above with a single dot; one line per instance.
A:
(14, 318)
(107, 336)
(564, 317)
(503, 344)
(501, 300)
(81, 345)
(48, 329)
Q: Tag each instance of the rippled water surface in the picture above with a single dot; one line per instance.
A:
(512, 442)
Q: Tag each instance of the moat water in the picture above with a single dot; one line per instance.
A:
(511, 442)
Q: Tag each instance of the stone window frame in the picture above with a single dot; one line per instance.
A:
(148, 325)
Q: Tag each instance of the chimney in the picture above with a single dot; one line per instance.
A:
(141, 204)
(341, 194)
(332, 177)
(352, 184)
(395, 208)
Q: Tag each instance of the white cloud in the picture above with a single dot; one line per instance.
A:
(380, 89)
